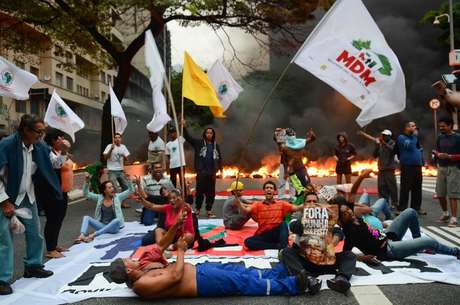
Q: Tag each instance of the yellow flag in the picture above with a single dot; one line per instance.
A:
(197, 87)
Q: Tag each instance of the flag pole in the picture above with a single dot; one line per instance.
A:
(182, 170)
(173, 108)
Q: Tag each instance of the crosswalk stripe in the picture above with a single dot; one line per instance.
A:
(437, 237)
(369, 295)
(445, 234)
(454, 231)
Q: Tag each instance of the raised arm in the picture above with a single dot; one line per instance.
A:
(90, 195)
(243, 208)
(195, 142)
(152, 206)
(125, 194)
(354, 189)
(107, 152)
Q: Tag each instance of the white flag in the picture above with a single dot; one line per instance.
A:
(157, 72)
(348, 52)
(15, 82)
(117, 113)
(60, 116)
(227, 88)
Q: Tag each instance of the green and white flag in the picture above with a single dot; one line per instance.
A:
(348, 51)
(60, 116)
(15, 82)
(226, 87)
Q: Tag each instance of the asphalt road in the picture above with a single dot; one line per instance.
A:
(420, 294)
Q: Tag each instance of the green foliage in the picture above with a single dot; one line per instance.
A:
(444, 37)
(361, 44)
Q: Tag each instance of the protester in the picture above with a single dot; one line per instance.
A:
(152, 184)
(314, 248)
(411, 162)
(23, 160)
(55, 209)
(175, 156)
(447, 155)
(272, 232)
(385, 153)
(234, 218)
(279, 136)
(292, 154)
(156, 149)
(208, 161)
(377, 244)
(108, 216)
(116, 154)
(172, 211)
(344, 153)
(152, 277)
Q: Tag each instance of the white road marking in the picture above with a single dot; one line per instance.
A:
(77, 201)
(369, 295)
(437, 237)
(455, 231)
(445, 234)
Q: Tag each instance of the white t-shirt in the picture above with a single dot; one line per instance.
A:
(116, 161)
(156, 145)
(172, 150)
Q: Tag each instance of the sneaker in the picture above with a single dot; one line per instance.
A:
(453, 222)
(37, 272)
(339, 283)
(211, 215)
(307, 284)
(139, 210)
(197, 212)
(444, 218)
(5, 288)
(421, 212)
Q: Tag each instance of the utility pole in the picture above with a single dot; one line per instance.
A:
(452, 48)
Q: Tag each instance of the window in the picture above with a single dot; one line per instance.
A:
(59, 79)
(109, 80)
(20, 64)
(35, 107)
(103, 77)
(20, 106)
(85, 92)
(58, 51)
(68, 57)
(70, 83)
(35, 71)
(82, 90)
(103, 96)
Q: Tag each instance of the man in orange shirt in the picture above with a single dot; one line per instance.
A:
(269, 214)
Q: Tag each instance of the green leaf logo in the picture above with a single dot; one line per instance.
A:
(7, 78)
(60, 111)
(385, 63)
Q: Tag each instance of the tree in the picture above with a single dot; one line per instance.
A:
(84, 26)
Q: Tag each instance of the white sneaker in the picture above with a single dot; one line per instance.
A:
(444, 218)
(452, 222)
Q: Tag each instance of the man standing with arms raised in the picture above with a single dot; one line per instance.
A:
(116, 154)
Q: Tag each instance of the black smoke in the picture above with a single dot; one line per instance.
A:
(302, 101)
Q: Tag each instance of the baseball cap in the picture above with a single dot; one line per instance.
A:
(236, 186)
(387, 132)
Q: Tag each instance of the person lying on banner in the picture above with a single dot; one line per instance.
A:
(108, 215)
(378, 244)
(151, 277)
(171, 211)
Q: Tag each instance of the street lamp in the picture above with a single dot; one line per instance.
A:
(436, 19)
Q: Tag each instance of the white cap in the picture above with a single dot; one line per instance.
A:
(387, 132)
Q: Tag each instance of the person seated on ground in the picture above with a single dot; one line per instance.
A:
(313, 251)
(387, 245)
(151, 184)
(108, 215)
(269, 214)
(234, 218)
(171, 211)
(151, 277)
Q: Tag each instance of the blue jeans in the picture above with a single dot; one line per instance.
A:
(398, 248)
(380, 206)
(120, 178)
(34, 242)
(276, 238)
(214, 279)
(111, 228)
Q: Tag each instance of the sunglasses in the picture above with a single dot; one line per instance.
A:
(38, 131)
